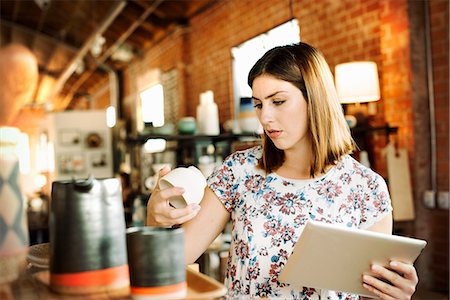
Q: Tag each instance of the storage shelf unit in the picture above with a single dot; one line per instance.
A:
(142, 138)
(186, 148)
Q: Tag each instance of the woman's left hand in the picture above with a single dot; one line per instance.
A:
(402, 277)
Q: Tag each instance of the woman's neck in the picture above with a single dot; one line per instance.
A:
(297, 164)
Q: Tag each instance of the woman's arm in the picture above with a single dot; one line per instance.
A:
(201, 231)
(402, 276)
(201, 223)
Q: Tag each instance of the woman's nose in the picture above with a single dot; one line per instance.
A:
(265, 115)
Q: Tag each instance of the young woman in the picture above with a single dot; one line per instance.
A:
(302, 171)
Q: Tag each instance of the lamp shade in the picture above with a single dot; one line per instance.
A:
(357, 82)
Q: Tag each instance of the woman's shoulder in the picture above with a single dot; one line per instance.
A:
(249, 155)
(350, 165)
(237, 165)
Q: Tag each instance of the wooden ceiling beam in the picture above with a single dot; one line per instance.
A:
(142, 4)
(130, 30)
(73, 21)
(21, 37)
(42, 19)
(132, 12)
(148, 27)
(40, 35)
(115, 11)
(16, 10)
(110, 50)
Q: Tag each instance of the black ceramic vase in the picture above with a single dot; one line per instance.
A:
(87, 237)
(157, 263)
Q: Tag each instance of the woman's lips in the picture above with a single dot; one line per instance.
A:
(273, 134)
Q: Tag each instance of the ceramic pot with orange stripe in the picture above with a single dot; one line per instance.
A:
(88, 252)
(157, 263)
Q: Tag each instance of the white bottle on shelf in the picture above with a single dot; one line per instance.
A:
(208, 115)
(364, 158)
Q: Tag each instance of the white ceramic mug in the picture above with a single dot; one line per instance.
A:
(191, 179)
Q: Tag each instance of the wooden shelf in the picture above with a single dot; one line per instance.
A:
(142, 138)
(368, 129)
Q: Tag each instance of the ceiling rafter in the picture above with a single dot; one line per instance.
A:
(115, 10)
(42, 35)
(42, 20)
(148, 27)
(16, 10)
(110, 50)
(130, 30)
(21, 37)
(72, 20)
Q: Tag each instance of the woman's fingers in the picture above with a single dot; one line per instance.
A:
(163, 171)
(380, 288)
(160, 213)
(165, 194)
(182, 215)
(408, 270)
(173, 216)
(397, 283)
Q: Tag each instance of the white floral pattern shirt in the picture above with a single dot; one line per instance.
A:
(269, 212)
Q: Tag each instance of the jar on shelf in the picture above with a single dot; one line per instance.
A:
(248, 122)
(208, 115)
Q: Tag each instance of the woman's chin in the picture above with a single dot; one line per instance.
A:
(280, 145)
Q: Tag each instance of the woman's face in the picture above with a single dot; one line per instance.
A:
(282, 111)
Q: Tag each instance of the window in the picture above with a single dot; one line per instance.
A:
(246, 54)
(152, 105)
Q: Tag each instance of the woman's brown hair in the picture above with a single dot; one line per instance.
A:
(305, 67)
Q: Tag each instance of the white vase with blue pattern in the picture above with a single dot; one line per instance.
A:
(14, 238)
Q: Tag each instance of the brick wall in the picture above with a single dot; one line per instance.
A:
(345, 30)
(349, 31)
(395, 70)
(439, 11)
(171, 53)
(439, 220)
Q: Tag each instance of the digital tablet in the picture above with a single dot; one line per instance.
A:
(335, 258)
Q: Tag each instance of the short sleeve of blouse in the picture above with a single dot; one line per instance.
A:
(376, 203)
(225, 179)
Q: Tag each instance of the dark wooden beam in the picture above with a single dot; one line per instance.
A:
(32, 32)
(115, 11)
(113, 48)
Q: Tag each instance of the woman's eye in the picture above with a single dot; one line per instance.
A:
(257, 105)
(278, 102)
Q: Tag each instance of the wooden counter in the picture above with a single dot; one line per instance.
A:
(34, 284)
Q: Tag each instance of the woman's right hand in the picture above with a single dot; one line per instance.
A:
(159, 211)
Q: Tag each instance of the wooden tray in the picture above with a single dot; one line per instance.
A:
(200, 286)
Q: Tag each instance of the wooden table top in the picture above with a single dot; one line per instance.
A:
(33, 283)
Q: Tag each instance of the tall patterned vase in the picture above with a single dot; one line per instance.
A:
(14, 239)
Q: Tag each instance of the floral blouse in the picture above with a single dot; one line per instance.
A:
(269, 212)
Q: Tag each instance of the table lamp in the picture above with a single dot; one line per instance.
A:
(357, 82)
